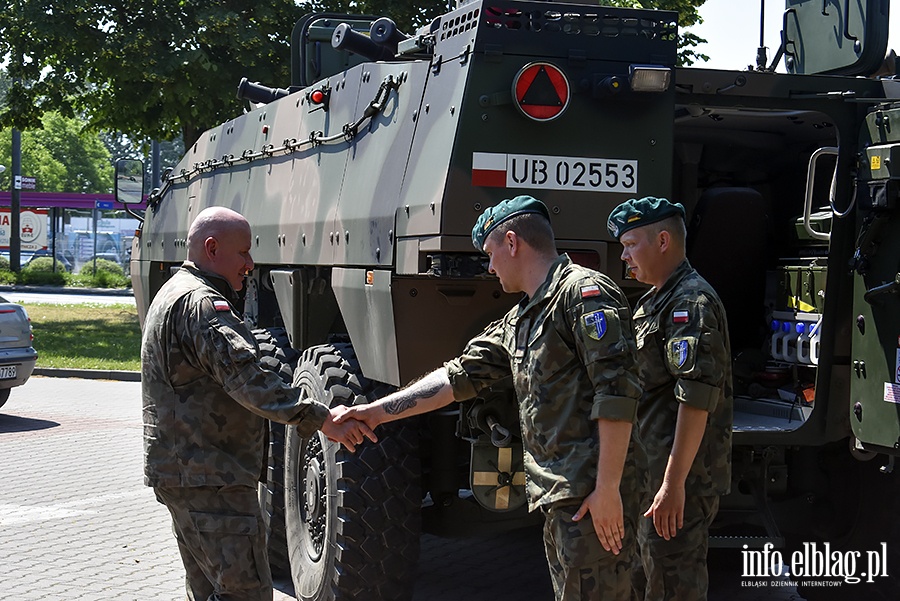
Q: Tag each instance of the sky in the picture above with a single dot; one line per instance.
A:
(731, 28)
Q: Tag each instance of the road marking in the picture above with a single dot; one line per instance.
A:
(23, 514)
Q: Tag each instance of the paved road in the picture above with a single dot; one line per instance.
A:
(78, 524)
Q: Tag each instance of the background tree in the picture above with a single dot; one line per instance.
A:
(155, 69)
(62, 156)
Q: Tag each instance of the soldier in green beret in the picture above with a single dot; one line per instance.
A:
(569, 347)
(685, 412)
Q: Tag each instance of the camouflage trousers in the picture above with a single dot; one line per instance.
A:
(675, 569)
(580, 568)
(222, 540)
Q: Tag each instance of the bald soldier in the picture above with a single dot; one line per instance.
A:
(685, 412)
(206, 400)
(569, 347)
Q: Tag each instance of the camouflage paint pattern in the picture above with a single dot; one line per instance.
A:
(205, 396)
(567, 372)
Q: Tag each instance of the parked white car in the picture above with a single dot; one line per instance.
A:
(17, 354)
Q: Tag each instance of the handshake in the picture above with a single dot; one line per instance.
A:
(350, 426)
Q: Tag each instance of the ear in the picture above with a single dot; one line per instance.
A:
(664, 240)
(511, 240)
(211, 246)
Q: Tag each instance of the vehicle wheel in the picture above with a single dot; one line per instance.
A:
(4, 396)
(353, 519)
(858, 514)
(276, 355)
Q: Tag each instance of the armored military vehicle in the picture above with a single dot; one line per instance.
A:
(363, 177)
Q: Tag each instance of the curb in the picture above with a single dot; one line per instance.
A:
(67, 290)
(88, 374)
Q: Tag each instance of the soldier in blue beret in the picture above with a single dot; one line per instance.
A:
(569, 347)
(685, 412)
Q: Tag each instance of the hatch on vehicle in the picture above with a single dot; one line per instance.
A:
(840, 37)
(312, 56)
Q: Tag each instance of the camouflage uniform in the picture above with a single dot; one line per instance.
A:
(205, 403)
(570, 352)
(684, 356)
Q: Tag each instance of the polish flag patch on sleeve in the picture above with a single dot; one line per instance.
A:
(221, 305)
(680, 317)
(589, 291)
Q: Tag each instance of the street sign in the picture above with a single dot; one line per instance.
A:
(23, 182)
(541, 91)
(103, 204)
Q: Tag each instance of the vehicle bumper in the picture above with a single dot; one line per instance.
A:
(23, 359)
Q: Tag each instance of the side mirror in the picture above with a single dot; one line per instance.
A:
(129, 181)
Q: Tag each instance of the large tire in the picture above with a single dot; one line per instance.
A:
(4, 396)
(353, 519)
(276, 355)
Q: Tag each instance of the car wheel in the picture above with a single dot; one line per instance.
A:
(353, 519)
(4, 396)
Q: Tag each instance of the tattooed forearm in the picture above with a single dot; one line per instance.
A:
(398, 406)
(407, 399)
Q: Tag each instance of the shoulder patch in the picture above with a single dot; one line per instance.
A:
(594, 324)
(682, 354)
(680, 317)
(589, 291)
(221, 305)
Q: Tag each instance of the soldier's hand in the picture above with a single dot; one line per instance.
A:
(348, 432)
(605, 507)
(667, 510)
(367, 414)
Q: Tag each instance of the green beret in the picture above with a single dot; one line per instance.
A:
(639, 212)
(506, 209)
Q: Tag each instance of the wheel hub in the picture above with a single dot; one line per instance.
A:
(313, 507)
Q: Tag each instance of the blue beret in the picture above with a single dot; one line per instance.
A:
(639, 212)
(506, 209)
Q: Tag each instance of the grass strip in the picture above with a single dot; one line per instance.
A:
(86, 336)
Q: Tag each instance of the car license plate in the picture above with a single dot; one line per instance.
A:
(554, 173)
(7, 372)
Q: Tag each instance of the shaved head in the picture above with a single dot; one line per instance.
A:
(219, 241)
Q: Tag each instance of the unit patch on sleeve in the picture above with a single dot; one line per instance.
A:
(594, 324)
(682, 353)
(221, 305)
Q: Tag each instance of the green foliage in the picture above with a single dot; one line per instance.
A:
(103, 266)
(4, 264)
(7, 277)
(62, 156)
(39, 272)
(108, 275)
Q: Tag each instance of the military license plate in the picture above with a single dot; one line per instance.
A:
(7, 372)
(554, 173)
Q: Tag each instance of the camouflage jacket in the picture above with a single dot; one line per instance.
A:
(684, 356)
(571, 353)
(205, 396)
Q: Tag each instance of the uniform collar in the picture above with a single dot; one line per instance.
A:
(656, 297)
(216, 281)
(550, 283)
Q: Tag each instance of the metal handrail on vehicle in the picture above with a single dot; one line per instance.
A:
(810, 184)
